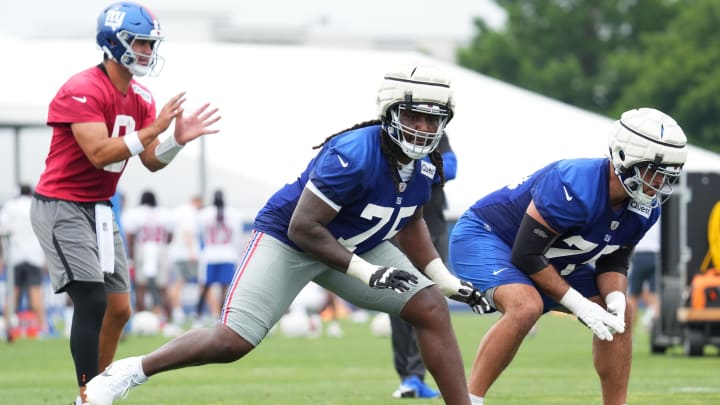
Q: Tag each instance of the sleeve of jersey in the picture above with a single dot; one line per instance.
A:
(76, 103)
(338, 177)
(559, 202)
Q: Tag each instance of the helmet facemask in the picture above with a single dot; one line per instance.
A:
(141, 64)
(415, 143)
(414, 105)
(648, 177)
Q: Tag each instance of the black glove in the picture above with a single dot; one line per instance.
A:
(393, 279)
(473, 297)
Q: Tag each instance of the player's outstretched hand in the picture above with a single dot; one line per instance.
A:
(473, 297)
(393, 279)
(169, 112)
(189, 127)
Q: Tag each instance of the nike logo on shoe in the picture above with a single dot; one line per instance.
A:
(496, 272)
(567, 195)
(82, 99)
(106, 373)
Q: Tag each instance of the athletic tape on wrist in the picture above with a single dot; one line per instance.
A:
(613, 297)
(438, 272)
(361, 269)
(133, 143)
(572, 300)
(167, 149)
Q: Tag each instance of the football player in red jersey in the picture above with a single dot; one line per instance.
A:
(100, 118)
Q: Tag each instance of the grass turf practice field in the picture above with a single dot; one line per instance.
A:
(552, 367)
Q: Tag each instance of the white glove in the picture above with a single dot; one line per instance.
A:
(455, 289)
(616, 303)
(600, 322)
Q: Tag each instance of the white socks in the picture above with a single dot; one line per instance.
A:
(141, 374)
(476, 400)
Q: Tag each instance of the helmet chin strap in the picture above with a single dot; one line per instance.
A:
(633, 184)
(138, 70)
(634, 188)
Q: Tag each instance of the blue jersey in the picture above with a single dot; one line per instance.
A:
(573, 198)
(352, 175)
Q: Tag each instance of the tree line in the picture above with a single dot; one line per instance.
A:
(611, 55)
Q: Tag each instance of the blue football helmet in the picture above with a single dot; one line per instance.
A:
(119, 26)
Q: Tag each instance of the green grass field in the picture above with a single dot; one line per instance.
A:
(553, 367)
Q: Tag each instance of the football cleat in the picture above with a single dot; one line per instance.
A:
(414, 387)
(115, 382)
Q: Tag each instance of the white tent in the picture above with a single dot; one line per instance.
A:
(279, 101)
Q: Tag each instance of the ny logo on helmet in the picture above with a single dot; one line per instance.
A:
(114, 19)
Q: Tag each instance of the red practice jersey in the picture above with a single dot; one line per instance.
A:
(90, 96)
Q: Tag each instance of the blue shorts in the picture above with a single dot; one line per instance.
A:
(220, 273)
(479, 256)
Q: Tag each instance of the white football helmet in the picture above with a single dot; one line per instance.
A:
(419, 88)
(648, 150)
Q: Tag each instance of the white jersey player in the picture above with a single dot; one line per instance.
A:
(147, 227)
(222, 237)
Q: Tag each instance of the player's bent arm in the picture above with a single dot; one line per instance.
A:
(415, 240)
(533, 239)
(612, 286)
(609, 282)
(532, 242)
(612, 270)
(149, 158)
(159, 154)
(102, 150)
(308, 230)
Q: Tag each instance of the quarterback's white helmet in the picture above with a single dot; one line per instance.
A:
(419, 88)
(648, 150)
